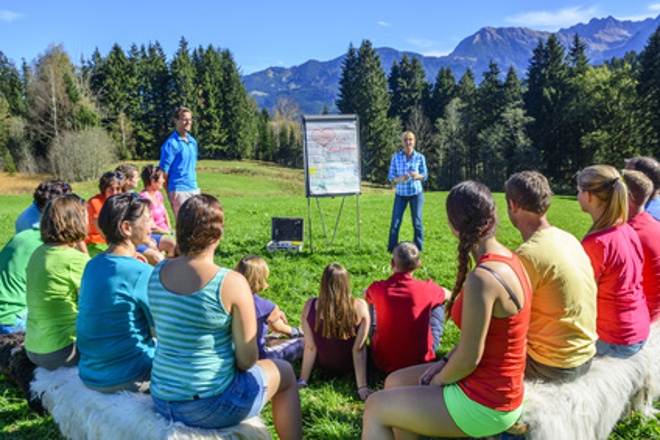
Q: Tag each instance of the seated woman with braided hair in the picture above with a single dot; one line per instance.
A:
(477, 389)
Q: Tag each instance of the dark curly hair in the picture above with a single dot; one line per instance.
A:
(48, 190)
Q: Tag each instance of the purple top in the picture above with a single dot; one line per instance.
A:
(264, 308)
(331, 354)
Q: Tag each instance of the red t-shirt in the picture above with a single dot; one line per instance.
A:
(94, 206)
(403, 310)
(648, 231)
(497, 383)
(617, 258)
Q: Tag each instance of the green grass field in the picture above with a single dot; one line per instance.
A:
(252, 193)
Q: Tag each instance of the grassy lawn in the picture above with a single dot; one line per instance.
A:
(252, 193)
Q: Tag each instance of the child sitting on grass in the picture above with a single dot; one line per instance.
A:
(269, 316)
(336, 326)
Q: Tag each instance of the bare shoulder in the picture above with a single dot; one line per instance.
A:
(308, 304)
(233, 277)
(361, 305)
(235, 287)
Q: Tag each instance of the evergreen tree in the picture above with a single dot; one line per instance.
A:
(512, 88)
(452, 153)
(577, 102)
(409, 89)
(378, 134)
(156, 113)
(182, 72)
(11, 88)
(490, 97)
(114, 80)
(211, 136)
(519, 152)
(347, 83)
(648, 90)
(577, 57)
(467, 93)
(237, 116)
(545, 100)
(265, 146)
(444, 90)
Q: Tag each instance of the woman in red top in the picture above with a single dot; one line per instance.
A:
(476, 390)
(617, 258)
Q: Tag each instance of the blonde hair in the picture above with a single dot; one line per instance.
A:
(255, 270)
(605, 183)
(408, 133)
(336, 312)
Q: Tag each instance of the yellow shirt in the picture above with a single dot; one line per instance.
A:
(562, 329)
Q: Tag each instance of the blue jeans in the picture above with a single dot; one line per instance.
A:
(616, 350)
(400, 203)
(245, 397)
(18, 326)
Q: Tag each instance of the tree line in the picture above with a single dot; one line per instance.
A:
(564, 116)
(63, 118)
(73, 120)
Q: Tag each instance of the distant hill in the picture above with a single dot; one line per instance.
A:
(314, 84)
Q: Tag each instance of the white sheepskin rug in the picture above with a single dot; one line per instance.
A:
(82, 413)
(590, 407)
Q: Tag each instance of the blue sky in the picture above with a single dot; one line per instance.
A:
(263, 33)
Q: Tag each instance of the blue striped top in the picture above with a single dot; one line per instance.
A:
(195, 351)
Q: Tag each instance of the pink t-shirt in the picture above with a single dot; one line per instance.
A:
(648, 230)
(158, 210)
(617, 258)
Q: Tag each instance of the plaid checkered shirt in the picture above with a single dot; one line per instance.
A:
(400, 166)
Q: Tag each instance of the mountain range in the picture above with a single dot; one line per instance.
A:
(314, 84)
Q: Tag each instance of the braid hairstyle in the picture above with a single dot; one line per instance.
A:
(472, 214)
(605, 183)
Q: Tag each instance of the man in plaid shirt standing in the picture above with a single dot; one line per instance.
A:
(407, 171)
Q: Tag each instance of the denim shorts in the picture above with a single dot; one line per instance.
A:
(616, 350)
(245, 397)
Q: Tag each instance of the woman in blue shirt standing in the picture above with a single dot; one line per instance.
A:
(407, 171)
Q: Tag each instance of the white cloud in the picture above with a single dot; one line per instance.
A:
(436, 53)
(384, 24)
(422, 43)
(655, 7)
(428, 48)
(9, 16)
(552, 21)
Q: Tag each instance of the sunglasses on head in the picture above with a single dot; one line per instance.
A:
(113, 175)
